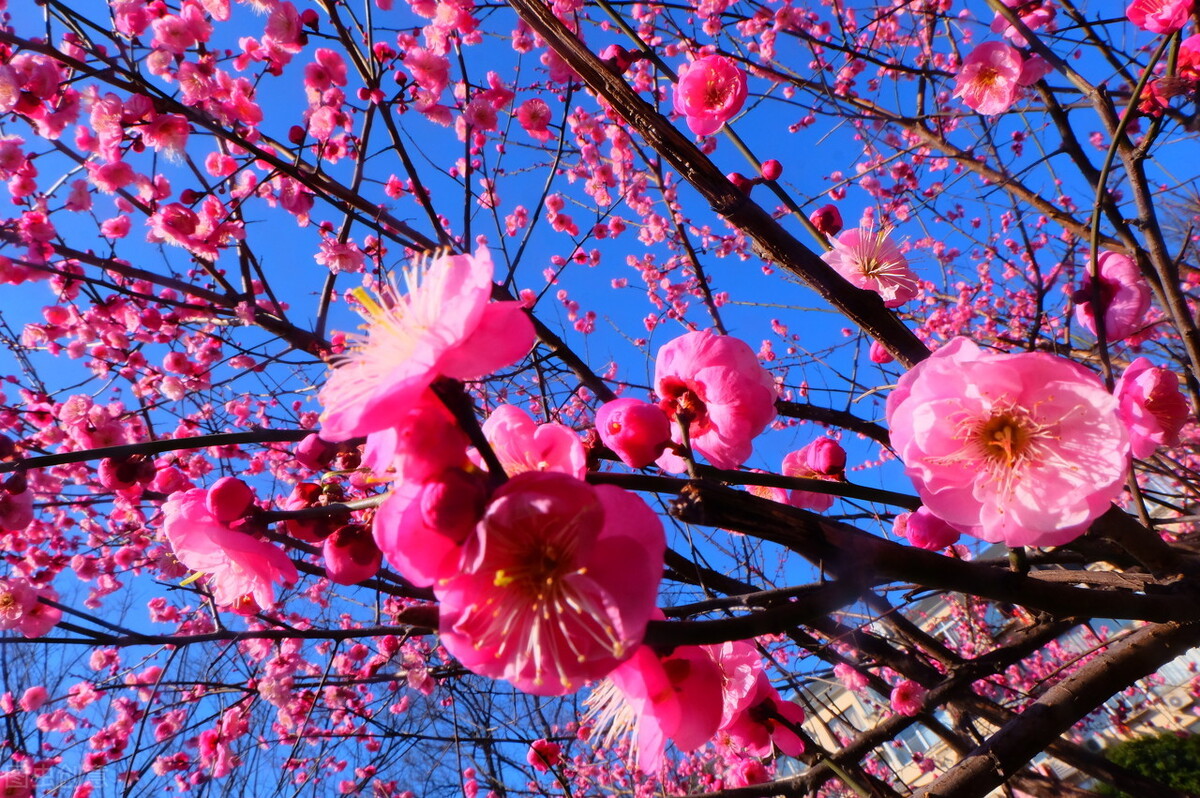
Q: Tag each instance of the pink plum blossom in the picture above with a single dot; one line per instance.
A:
(825, 459)
(543, 755)
(1124, 295)
(768, 722)
(907, 697)
(423, 441)
(1021, 448)
(990, 78)
(925, 530)
(871, 261)
(711, 90)
(534, 116)
(557, 585)
(827, 219)
(444, 325)
(521, 444)
(15, 784)
(852, 679)
(17, 598)
(1160, 16)
(659, 698)
(715, 385)
(1152, 407)
(237, 564)
(351, 555)
(637, 431)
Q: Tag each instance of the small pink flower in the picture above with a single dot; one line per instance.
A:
(852, 679)
(17, 598)
(1124, 295)
(1026, 447)
(879, 354)
(543, 755)
(675, 697)
(534, 116)
(32, 700)
(1152, 407)
(907, 697)
(925, 530)
(237, 564)
(637, 431)
(228, 499)
(444, 325)
(1189, 57)
(768, 722)
(521, 444)
(871, 261)
(989, 79)
(711, 90)
(1160, 16)
(714, 384)
(825, 459)
(557, 585)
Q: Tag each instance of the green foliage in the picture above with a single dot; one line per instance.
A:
(1166, 757)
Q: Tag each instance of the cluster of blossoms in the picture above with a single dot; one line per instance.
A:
(1026, 449)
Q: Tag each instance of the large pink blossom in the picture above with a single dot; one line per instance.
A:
(1152, 407)
(715, 384)
(870, 260)
(675, 697)
(521, 444)
(1160, 16)
(1124, 295)
(238, 565)
(444, 325)
(711, 90)
(558, 583)
(990, 78)
(767, 722)
(1021, 448)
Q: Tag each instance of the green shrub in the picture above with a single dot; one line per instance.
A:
(1166, 757)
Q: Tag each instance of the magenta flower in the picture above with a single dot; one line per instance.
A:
(869, 260)
(1124, 295)
(521, 444)
(990, 78)
(238, 565)
(714, 384)
(351, 555)
(17, 599)
(637, 431)
(543, 755)
(925, 530)
(768, 722)
(1026, 447)
(556, 585)
(1152, 407)
(711, 90)
(1160, 16)
(443, 326)
(907, 697)
(675, 697)
(825, 459)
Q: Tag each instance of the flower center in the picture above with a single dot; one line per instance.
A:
(1005, 437)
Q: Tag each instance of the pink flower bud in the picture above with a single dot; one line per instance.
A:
(925, 530)
(543, 755)
(907, 697)
(1152, 408)
(740, 181)
(228, 499)
(351, 555)
(637, 431)
(825, 457)
(315, 453)
(452, 502)
(772, 169)
(827, 220)
(880, 354)
(116, 473)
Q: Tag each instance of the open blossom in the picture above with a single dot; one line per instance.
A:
(1124, 295)
(907, 697)
(825, 459)
(543, 755)
(1021, 448)
(556, 585)
(1152, 407)
(711, 90)
(714, 384)
(521, 444)
(992, 75)
(444, 325)
(239, 566)
(1160, 16)
(767, 722)
(674, 697)
(21, 610)
(870, 260)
